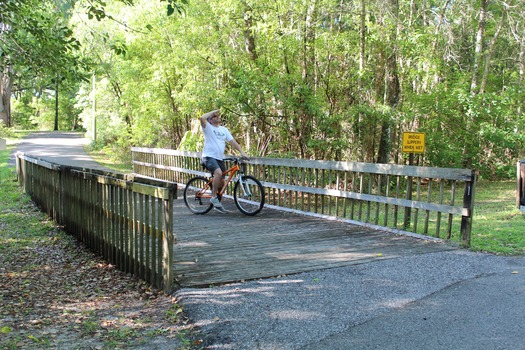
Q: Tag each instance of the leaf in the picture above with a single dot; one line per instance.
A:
(171, 9)
(6, 330)
(33, 338)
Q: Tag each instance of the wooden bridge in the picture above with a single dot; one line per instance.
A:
(136, 223)
(217, 248)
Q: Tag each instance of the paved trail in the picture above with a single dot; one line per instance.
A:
(60, 147)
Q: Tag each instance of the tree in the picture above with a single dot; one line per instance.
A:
(318, 79)
(35, 40)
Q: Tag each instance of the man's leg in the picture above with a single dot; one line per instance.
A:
(217, 181)
(217, 184)
(217, 168)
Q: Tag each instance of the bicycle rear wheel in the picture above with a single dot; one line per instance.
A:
(248, 195)
(197, 195)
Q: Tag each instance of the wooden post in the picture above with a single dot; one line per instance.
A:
(168, 241)
(408, 210)
(18, 162)
(468, 205)
(56, 103)
(520, 185)
(522, 176)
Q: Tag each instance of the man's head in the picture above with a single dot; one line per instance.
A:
(215, 119)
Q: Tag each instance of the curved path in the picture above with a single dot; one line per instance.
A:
(66, 148)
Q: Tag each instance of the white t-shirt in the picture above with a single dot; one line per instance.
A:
(215, 139)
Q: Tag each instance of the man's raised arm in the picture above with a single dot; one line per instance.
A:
(204, 118)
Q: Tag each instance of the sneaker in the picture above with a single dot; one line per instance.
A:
(221, 210)
(217, 205)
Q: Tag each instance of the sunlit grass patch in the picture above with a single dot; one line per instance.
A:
(498, 225)
(118, 162)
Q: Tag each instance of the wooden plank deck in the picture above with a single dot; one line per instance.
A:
(218, 248)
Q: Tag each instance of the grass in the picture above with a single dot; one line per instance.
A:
(498, 225)
(105, 158)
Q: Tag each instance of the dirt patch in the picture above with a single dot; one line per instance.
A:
(58, 295)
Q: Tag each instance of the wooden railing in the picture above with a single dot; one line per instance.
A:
(128, 220)
(407, 199)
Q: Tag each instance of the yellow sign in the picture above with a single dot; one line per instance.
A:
(414, 142)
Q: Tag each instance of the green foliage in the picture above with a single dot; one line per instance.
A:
(23, 112)
(470, 131)
(4, 131)
(37, 50)
(175, 5)
(191, 142)
(291, 79)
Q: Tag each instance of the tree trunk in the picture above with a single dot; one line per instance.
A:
(521, 69)
(249, 40)
(362, 43)
(309, 44)
(6, 85)
(490, 52)
(474, 89)
(479, 47)
(392, 89)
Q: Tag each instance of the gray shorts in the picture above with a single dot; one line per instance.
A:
(213, 164)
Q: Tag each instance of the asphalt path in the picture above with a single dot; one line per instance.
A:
(447, 300)
(65, 148)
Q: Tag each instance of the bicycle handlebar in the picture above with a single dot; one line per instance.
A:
(236, 159)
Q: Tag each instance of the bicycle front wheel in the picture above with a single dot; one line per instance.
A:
(248, 195)
(197, 195)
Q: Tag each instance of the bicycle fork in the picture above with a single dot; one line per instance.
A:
(245, 188)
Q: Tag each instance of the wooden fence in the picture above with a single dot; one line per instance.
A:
(422, 200)
(126, 219)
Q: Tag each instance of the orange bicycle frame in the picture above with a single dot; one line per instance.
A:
(204, 192)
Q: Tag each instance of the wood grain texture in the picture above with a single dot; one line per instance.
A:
(217, 248)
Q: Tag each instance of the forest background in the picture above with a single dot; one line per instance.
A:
(316, 79)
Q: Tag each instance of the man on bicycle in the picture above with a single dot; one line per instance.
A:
(215, 138)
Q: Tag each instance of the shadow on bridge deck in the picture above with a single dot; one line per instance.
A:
(217, 248)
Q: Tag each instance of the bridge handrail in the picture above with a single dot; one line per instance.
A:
(127, 219)
(390, 196)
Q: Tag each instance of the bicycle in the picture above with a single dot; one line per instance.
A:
(248, 193)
